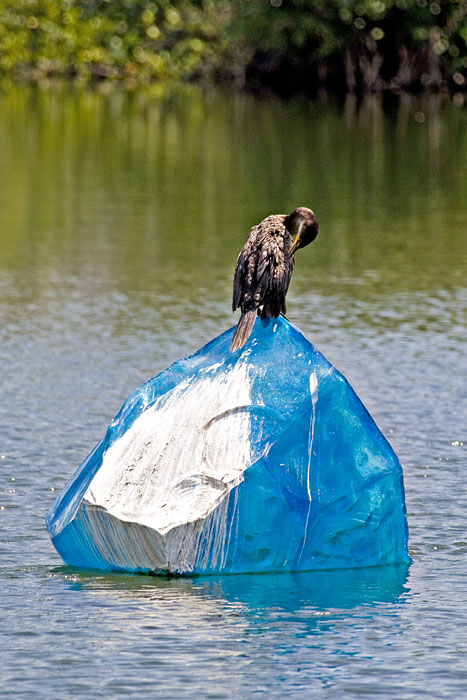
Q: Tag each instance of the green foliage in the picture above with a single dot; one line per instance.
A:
(135, 40)
(347, 44)
(369, 44)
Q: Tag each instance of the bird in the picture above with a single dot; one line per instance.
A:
(264, 268)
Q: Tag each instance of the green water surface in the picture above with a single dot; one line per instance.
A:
(121, 218)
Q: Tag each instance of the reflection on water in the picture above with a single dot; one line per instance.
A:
(121, 219)
(278, 632)
(127, 186)
(293, 593)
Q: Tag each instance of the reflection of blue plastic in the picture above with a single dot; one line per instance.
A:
(259, 460)
(300, 594)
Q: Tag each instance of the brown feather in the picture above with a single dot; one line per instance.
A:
(262, 275)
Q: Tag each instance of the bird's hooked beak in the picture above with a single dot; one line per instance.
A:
(295, 244)
(301, 222)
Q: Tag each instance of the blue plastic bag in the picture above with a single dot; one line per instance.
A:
(260, 460)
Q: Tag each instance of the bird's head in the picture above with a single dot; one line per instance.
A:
(303, 225)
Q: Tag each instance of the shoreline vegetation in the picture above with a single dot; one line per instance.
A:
(353, 46)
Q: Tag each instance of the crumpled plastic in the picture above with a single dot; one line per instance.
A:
(262, 460)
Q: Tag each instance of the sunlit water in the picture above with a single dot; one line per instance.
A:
(121, 219)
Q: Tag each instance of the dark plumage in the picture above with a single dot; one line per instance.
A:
(265, 266)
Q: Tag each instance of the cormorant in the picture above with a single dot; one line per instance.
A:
(264, 267)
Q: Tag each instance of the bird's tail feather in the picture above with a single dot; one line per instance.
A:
(243, 329)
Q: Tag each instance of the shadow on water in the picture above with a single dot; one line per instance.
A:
(285, 592)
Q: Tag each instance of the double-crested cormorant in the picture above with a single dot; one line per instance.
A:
(265, 265)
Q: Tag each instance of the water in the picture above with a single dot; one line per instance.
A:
(121, 219)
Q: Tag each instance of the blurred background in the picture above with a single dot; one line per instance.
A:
(343, 45)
